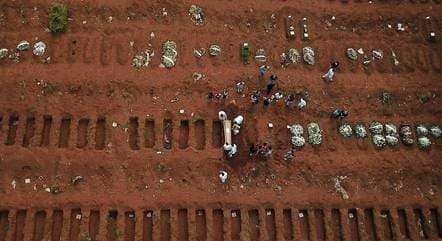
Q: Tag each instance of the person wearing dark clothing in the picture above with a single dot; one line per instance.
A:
(266, 102)
(210, 96)
(252, 150)
(254, 97)
(270, 87)
(263, 70)
(290, 100)
(338, 114)
(334, 65)
(269, 152)
(263, 149)
(225, 93)
(271, 83)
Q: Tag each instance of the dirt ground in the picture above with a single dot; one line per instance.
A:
(57, 117)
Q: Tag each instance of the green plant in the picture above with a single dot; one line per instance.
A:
(22, 14)
(86, 237)
(424, 97)
(146, 135)
(160, 167)
(58, 18)
(48, 89)
(117, 234)
(126, 93)
(386, 98)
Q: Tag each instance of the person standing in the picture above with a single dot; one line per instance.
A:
(284, 60)
(254, 97)
(268, 152)
(227, 148)
(302, 103)
(331, 71)
(237, 122)
(289, 155)
(278, 96)
(233, 151)
(338, 114)
(264, 150)
(223, 176)
(210, 96)
(253, 150)
(263, 70)
(222, 116)
(240, 86)
(266, 102)
(271, 83)
(225, 94)
(289, 101)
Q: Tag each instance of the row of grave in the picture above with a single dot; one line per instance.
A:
(254, 224)
(86, 133)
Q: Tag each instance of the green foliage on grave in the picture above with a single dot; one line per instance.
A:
(58, 18)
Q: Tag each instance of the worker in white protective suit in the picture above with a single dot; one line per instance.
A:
(223, 176)
(302, 103)
(233, 151)
(230, 150)
(227, 147)
(222, 115)
(237, 122)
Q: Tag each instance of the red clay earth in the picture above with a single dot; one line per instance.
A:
(56, 118)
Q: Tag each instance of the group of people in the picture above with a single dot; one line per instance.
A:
(290, 100)
(338, 114)
(218, 96)
(271, 83)
(231, 149)
(265, 150)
